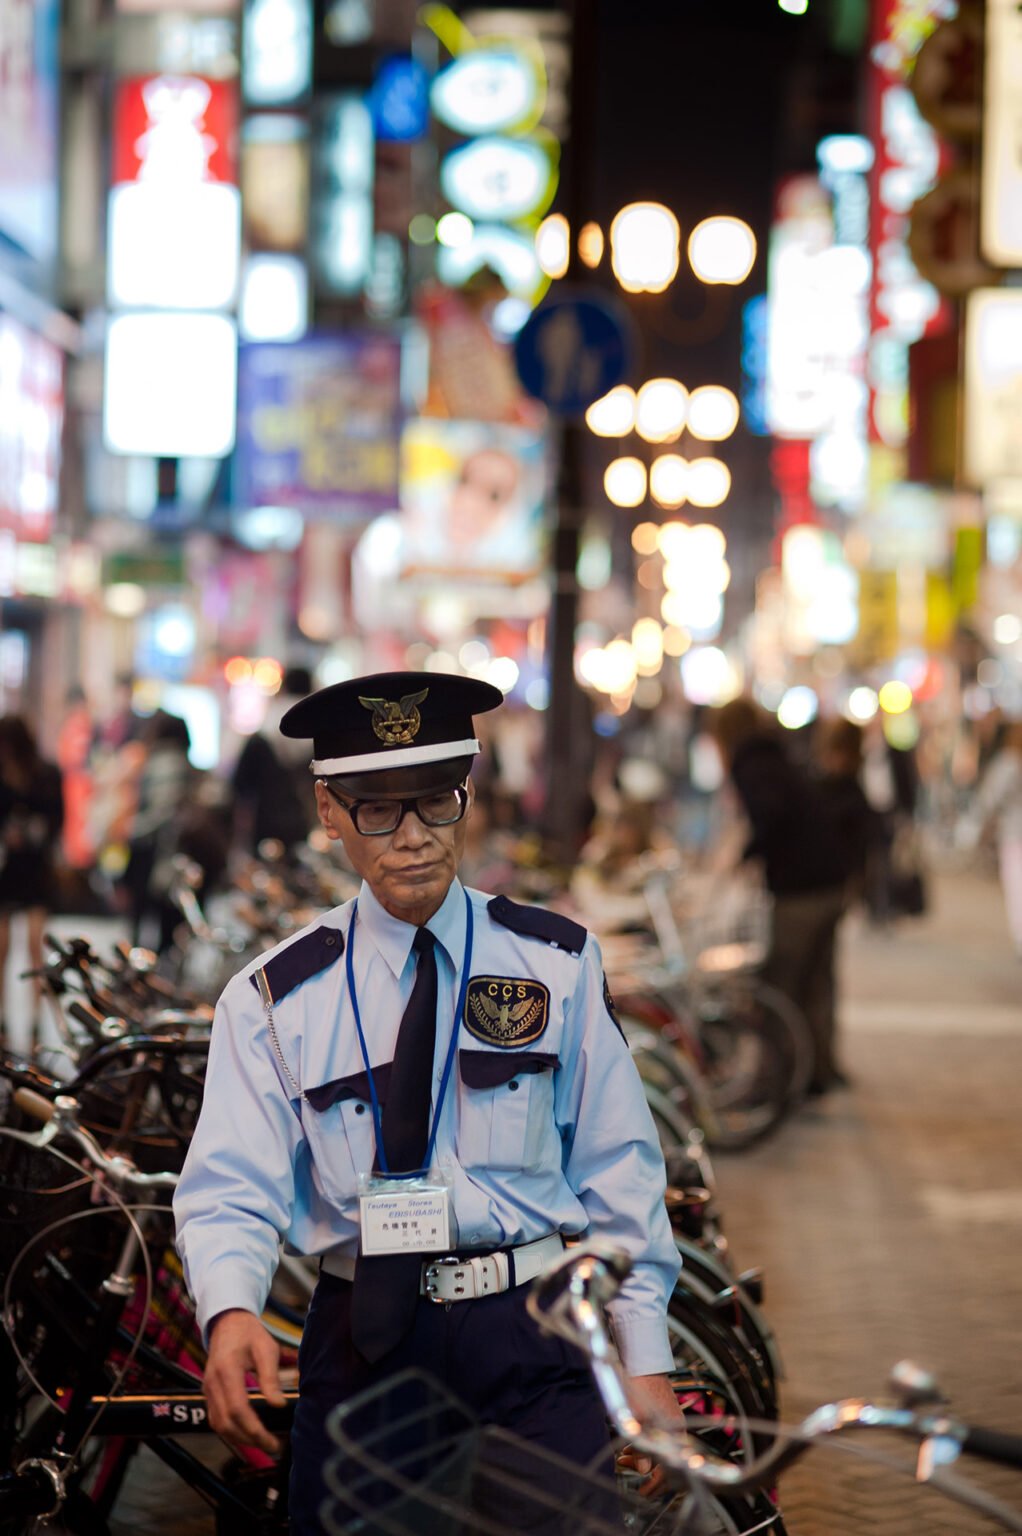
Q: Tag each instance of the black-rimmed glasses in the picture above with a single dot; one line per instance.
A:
(376, 818)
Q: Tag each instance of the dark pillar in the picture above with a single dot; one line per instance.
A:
(568, 739)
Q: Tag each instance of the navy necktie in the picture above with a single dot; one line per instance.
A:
(386, 1287)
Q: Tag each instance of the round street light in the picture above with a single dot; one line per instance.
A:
(613, 415)
(712, 413)
(668, 480)
(660, 408)
(645, 240)
(709, 481)
(722, 250)
(624, 481)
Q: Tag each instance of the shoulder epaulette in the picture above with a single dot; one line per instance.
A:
(306, 957)
(538, 923)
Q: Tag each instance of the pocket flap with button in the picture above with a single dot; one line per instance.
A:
(491, 1069)
(354, 1086)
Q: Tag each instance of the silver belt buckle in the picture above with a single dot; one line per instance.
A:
(432, 1276)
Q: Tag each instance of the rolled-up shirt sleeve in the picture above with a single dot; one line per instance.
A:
(616, 1168)
(236, 1193)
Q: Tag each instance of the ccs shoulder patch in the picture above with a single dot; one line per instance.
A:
(306, 957)
(508, 1011)
(538, 923)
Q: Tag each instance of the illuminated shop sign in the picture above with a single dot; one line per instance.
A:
(993, 385)
(501, 179)
(903, 306)
(1001, 199)
(169, 385)
(342, 171)
(31, 420)
(319, 423)
(490, 90)
(276, 58)
(174, 211)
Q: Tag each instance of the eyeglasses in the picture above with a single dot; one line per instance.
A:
(376, 818)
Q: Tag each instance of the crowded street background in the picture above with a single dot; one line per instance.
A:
(657, 370)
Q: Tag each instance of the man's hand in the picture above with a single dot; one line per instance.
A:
(654, 1402)
(240, 1344)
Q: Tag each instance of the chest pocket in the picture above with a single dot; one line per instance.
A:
(338, 1123)
(506, 1109)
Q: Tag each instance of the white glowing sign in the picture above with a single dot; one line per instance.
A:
(497, 178)
(173, 247)
(490, 90)
(170, 385)
(1001, 205)
(174, 214)
(993, 385)
(276, 62)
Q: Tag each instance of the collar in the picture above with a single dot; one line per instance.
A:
(393, 938)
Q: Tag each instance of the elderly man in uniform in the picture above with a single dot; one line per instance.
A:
(425, 1072)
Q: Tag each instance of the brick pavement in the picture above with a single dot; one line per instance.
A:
(888, 1219)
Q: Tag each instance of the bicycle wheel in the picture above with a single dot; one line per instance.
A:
(712, 1358)
(756, 1060)
(725, 1295)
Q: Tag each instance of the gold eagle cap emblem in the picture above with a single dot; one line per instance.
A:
(396, 724)
(507, 1011)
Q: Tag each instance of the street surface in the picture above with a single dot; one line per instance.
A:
(887, 1218)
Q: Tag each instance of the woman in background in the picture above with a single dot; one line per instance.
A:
(31, 818)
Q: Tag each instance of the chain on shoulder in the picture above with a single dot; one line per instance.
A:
(267, 997)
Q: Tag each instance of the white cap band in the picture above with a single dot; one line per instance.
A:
(369, 762)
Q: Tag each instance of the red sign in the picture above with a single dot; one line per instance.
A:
(908, 160)
(175, 131)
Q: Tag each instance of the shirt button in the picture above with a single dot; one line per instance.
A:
(513, 1085)
(360, 1109)
(330, 941)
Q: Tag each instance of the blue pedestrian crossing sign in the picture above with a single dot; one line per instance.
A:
(572, 350)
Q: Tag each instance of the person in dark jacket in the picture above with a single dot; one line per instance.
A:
(838, 752)
(271, 784)
(793, 837)
(31, 818)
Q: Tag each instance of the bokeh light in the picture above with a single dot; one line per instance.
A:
(798, 707)
(712, 413)
(624, 481)
(613, 415)
(644, 538)
(552, 245)
(722, 250)
(660, 408)
(590, 244)
(668, 480)
(645, 243)
(709, 481)
(895, 697)
(862, 704)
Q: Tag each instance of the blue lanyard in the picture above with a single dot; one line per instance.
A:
(449, 1064)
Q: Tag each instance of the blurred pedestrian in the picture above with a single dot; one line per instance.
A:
(74, 752)
(31, 817)
(273, 792)
(792, 836)
(838, 751)
(894, 876)
(173, 818)
(998, 811)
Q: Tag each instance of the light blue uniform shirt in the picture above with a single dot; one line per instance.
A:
(570, 1148)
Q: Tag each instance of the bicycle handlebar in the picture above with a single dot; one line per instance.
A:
(61, 1119)
(570, 1300)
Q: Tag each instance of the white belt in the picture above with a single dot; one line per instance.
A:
(450, 1278)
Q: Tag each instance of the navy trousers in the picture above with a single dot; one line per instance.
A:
(487, 1353)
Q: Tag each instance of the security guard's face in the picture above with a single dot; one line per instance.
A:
(409, 870)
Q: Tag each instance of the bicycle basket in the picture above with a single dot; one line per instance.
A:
(731, 930)
(412, 1460)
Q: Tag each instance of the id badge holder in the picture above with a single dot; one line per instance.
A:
(405, 1215)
